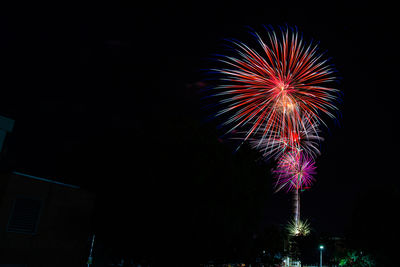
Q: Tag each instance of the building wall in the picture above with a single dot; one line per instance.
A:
(63, 230)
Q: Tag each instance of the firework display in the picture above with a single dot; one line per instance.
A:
(271, 91)
(276, 96)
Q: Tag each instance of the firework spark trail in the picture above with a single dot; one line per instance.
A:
(305, 138)
(265, 93)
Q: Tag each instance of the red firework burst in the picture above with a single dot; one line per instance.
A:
(271, 91)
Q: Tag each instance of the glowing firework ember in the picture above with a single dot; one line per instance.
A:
(294, 171)
(269, 92)
(300, 228)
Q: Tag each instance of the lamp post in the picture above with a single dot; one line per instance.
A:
(90, 260)
(321, 247)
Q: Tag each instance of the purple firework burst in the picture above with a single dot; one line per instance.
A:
(295, 171)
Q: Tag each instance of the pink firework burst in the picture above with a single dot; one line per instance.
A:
(295, 171)
(269, 91)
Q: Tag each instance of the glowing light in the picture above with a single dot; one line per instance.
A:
(299, 228)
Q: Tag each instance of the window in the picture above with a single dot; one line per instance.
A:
(24, 215)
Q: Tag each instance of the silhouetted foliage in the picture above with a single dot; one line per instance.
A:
(357, 259)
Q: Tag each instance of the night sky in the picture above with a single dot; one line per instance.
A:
(105, 96)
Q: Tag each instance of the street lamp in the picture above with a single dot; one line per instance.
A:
(321, 247)
(90, 260)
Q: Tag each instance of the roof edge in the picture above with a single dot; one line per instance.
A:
(44, 179)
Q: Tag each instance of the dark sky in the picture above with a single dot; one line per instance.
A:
(79, 78)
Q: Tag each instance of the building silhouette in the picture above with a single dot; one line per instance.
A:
(43, 222)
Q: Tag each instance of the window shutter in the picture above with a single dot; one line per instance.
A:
(24, 216)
